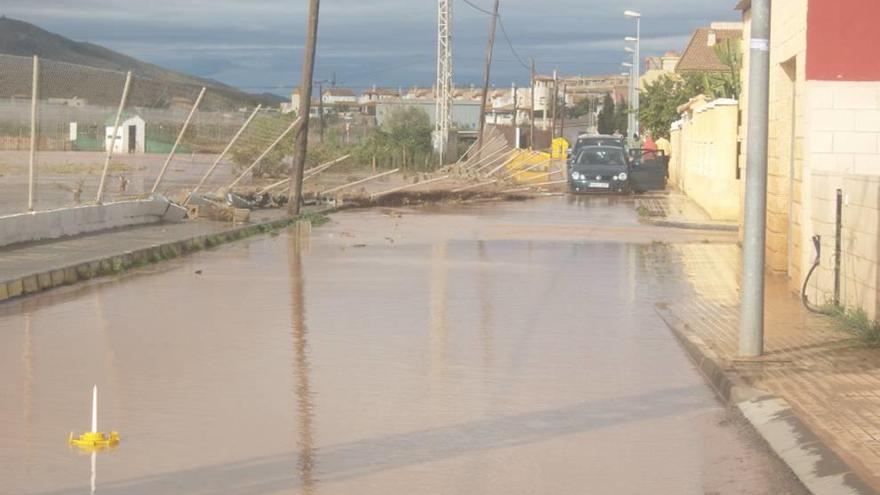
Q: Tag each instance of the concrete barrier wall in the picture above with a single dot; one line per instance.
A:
(704, 159)
(53, 224)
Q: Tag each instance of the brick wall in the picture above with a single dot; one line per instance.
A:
(843, 152)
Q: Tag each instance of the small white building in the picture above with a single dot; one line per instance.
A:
(130, 137)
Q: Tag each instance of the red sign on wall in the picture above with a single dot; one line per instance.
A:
(843, 40)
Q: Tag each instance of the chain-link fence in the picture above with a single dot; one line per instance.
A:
(102, 135)
(166, 129)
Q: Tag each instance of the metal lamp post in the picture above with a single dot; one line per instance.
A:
(629, 115)
(636, 69)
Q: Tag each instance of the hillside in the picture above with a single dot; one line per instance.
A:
(23, 39)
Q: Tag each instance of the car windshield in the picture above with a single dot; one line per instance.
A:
(599, 141)
(601, 156)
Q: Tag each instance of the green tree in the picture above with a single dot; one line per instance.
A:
(606, 121)
(659, 104)
(581, 108)
(262, 132)
(621, 119)
(406, 130)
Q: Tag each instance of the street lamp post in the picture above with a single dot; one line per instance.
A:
(636, 69)
(633, 89)
(629, 115)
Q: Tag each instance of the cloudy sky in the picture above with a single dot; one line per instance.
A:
(257, 44)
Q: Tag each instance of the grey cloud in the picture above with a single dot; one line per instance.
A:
(258, 44)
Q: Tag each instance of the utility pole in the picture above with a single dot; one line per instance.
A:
(321, 111)
(751, 339)
(489, 48)
(562, 123)
(532, 110)
(515, 128)
(443, 98)
(302, 132)
(553, 108)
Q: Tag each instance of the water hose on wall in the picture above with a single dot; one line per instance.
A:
(817, 245)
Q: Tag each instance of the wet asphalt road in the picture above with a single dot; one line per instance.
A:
(497, 349)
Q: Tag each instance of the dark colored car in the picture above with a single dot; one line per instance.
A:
(599, 169)
(584, 141)
(648, 170)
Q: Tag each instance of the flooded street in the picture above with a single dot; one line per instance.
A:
(508, 348)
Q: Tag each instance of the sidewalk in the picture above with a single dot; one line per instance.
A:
(34, 267)
(831, 382)
(674, 209)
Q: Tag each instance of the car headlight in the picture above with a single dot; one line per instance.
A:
(575, 176)
(621, 176)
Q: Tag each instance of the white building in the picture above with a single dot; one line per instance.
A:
(130, 137)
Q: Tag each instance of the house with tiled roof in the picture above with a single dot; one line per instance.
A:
(700, 54)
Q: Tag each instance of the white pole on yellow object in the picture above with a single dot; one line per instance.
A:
(95, 409)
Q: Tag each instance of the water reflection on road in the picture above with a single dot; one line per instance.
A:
(503, 348)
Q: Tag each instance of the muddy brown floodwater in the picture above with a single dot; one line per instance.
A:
(505, 348)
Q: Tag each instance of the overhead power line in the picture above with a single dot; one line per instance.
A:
(503, 31)
(510, 44)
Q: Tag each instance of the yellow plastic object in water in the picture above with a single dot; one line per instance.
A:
(94, 440)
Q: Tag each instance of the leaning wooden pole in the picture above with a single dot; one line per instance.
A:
(308, 174)
(408, 186)
(177, 141)
(490, 46)
(305, 93)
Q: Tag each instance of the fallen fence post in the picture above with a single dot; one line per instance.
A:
(527, 169)
(488, 159)
(474, 186)
(549, 183)
(264, 153)
(408, 186)
(469, 164)
(99, 198)
(493, 161)
(308, 174)
(499, 167)
(359, 182)
(221, 155)
(177, 142)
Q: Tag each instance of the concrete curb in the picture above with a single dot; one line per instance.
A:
(117, 263)
(818, 467)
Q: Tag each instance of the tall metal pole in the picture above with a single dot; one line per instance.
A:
(515, 110)
(177, 142)
(443, 97)
(532, 110)
(489, 49)
(302, 132)
(636, 78)
(553, 107)
(100, 196)
(34, 93)
(751, 342)
(562, 118)
(321, 111)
